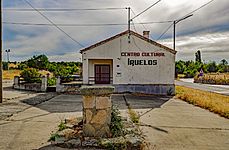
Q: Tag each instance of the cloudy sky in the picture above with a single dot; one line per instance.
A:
(207, 30)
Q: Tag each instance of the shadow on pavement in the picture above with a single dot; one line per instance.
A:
(143, 102)
(38, 99)
(63, 103)
(154, 127)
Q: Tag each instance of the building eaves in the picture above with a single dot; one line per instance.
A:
(131, 33)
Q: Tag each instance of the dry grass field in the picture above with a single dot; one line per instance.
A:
(213, 78)
(214, 102)
(9, 74)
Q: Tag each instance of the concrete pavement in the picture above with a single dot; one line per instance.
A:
(178, 125)
(9, 93)
(167, 122)
(32, 127)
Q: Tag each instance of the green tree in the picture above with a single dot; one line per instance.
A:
(22, 66)
(180, 67)
(198, 56)
(212, 67)
(223, 66)
(40, 62)
(191, 69)
(5, 65)
(224, 62)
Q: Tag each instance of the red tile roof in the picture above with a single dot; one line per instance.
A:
(131, 33)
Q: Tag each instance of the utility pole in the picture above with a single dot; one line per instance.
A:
(8, 58)
(128, 24)
(174, 29)
(174, 35)
(1, 97)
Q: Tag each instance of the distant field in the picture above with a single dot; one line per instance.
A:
(9, 75)
(181, 75)
(213, 78)
(44, 72)
(216, 103)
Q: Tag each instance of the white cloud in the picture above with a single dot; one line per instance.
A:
(29, 40)
(214, 46)
(66, 57)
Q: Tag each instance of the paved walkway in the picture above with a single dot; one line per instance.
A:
(178, 125)
(9, 93)
(168, 123)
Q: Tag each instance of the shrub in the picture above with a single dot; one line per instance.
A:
(62, 126)
(31, 75)
(54, 137)
(22, 66)
(116, 125)
(133, 116)
(51, 81)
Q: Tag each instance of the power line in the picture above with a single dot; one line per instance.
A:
(134, 26)
(92, 24)
(146, 9)
(53, 23)
(166, 30)
(62, 9)
(151, 23)
(66, 25)
(139, 19)
(199, 8)
(184, 16)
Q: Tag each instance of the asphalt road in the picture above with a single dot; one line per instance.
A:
(221, 89)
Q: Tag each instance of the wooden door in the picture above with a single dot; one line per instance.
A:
(102, 74)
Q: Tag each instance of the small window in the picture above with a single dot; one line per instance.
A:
(118, 74)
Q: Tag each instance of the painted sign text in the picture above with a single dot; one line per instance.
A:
(132, 62)
(143, 54)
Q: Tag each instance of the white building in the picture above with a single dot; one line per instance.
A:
(132, 63)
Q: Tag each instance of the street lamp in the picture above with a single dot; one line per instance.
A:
(8, 58)
(174, 29)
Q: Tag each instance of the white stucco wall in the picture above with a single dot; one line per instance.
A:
(161, 73)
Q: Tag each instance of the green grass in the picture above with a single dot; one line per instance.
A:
(62, 126)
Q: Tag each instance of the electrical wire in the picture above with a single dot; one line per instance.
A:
(198, 8)
(92, 24)
(139, 19)
(166, 30)
(146, 9)
(53, 23)
(151, 23)
(65, 25)
(184, 16)
(61, 9)
(134, 26)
